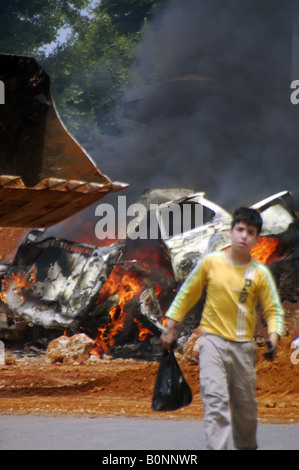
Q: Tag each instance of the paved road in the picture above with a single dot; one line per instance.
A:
(29, 432)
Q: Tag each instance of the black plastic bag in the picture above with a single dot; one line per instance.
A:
(171, 390)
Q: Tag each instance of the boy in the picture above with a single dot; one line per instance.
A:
(227, 356)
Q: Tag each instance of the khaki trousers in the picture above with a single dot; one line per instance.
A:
(228, 385)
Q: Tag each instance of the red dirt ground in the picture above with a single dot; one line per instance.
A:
(106, 387)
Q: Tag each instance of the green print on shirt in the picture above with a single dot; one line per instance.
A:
(244, 293)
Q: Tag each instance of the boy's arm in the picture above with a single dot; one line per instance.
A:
(189, 293)
(274, 339)
(273, 313)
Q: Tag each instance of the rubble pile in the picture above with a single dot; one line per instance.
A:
(76, 347)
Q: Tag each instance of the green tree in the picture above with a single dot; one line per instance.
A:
(91, 68)
(27, 25)
(89, 74)
(128, 16)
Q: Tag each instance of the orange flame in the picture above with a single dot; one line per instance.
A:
(18, 282)
(264, 249)
(127, 285)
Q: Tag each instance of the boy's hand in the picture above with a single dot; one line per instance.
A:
(168, 338)
(272, 346)
(271, 352)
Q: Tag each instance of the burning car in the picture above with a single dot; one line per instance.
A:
(120, 292)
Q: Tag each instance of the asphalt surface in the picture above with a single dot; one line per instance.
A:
(30, 432)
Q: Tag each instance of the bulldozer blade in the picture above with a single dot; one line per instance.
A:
(45, 174)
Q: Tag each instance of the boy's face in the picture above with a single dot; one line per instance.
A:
(243, 237)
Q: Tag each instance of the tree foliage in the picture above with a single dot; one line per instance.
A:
(128, 16)
(26, 25)
(91, 67)
(88, 76)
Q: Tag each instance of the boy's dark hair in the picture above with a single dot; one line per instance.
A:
(248, 216)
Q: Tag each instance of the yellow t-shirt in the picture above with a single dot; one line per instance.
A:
(232, 295)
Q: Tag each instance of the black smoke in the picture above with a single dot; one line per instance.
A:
(214, 111)
(238, 143)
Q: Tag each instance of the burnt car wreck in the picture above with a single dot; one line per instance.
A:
(119, 293)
